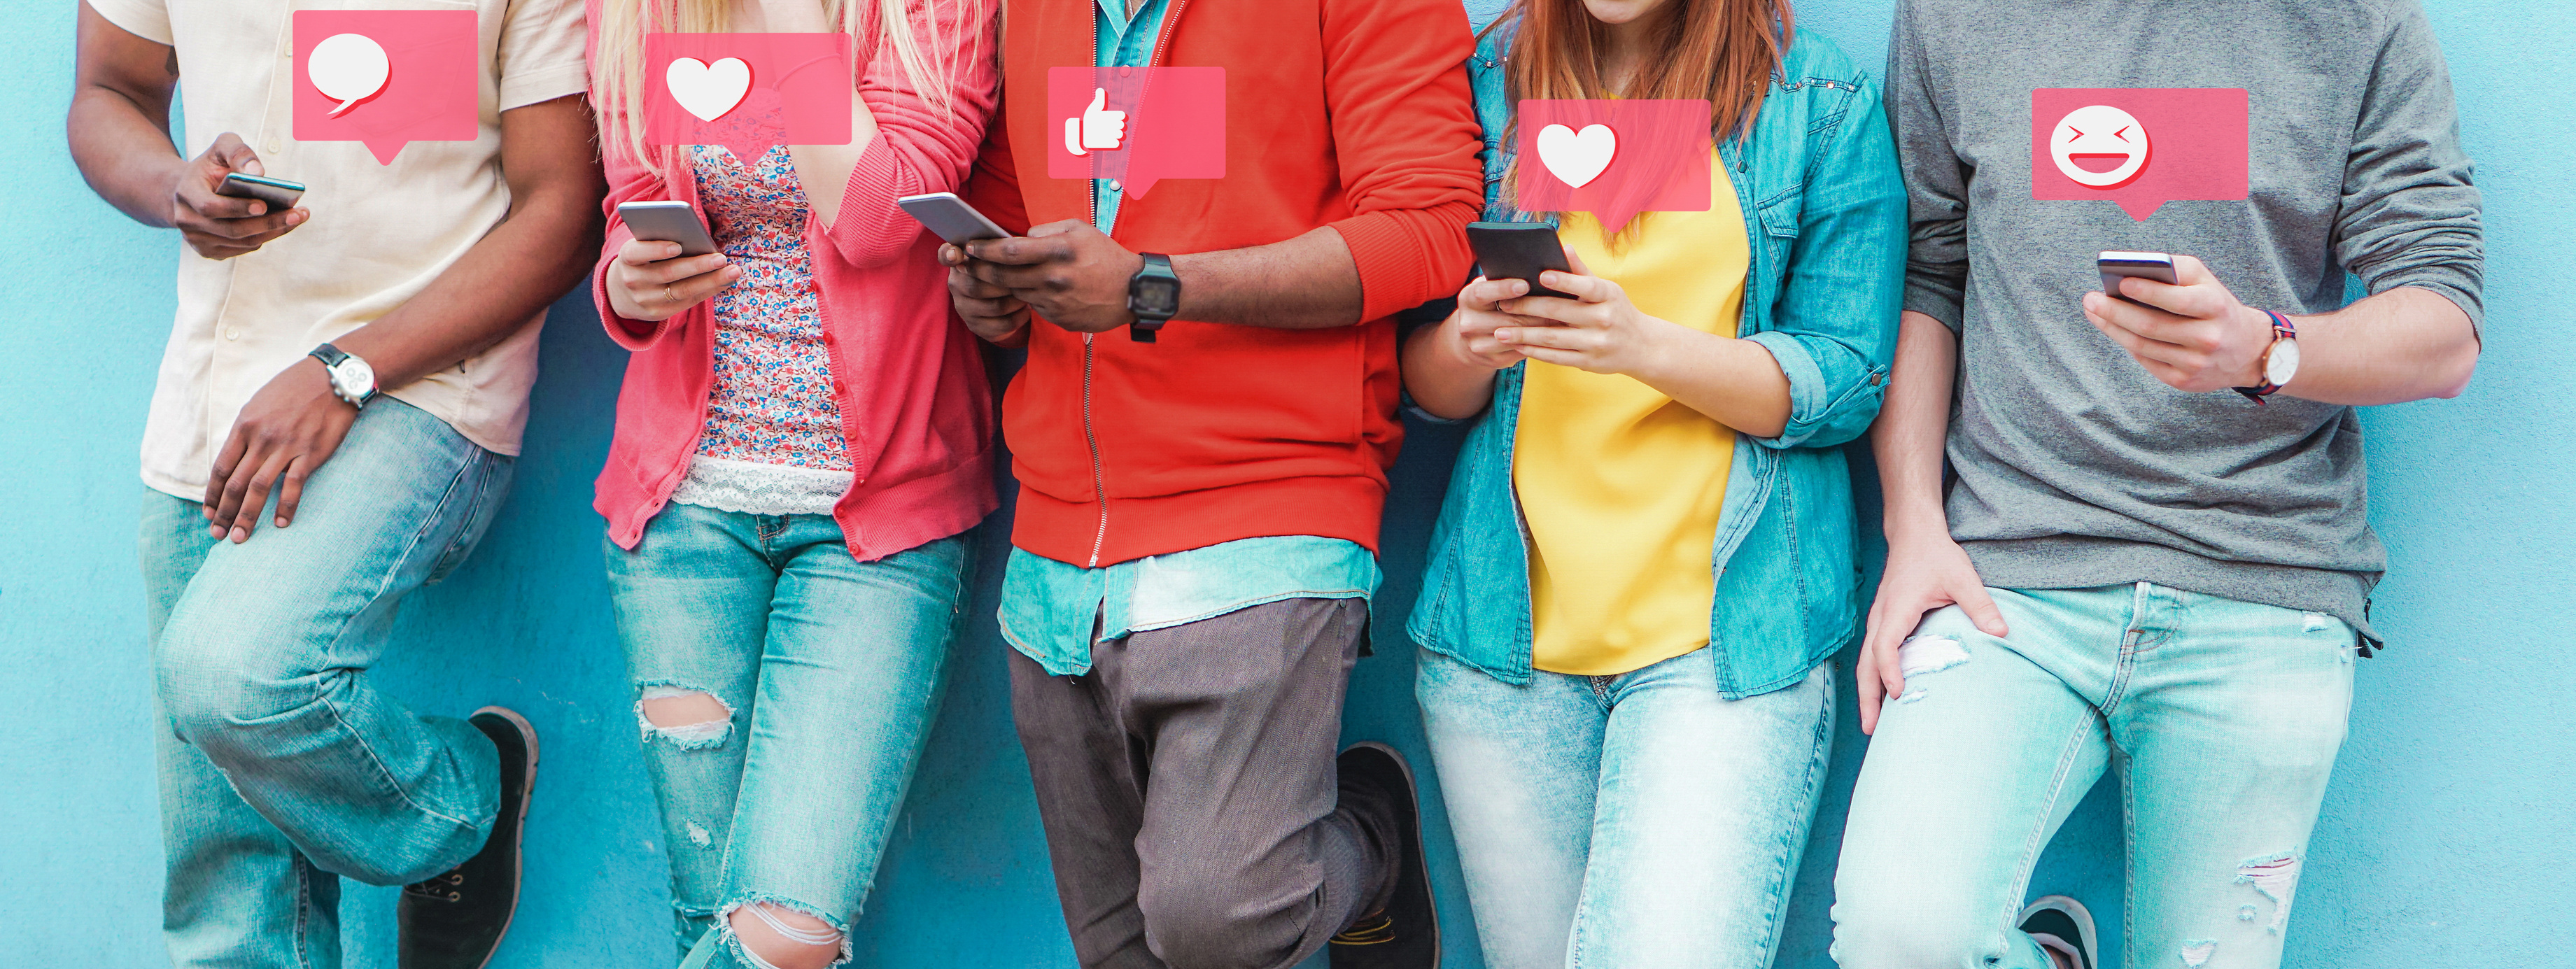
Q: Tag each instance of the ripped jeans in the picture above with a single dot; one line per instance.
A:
(831, 669)
(2223, 718)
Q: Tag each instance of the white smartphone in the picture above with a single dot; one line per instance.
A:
(950, 217)
(668, 222)
(2116, 266)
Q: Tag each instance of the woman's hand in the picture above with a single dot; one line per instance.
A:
(1923, 574)
(650, 282)
(1599, 330)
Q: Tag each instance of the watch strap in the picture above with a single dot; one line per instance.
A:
(329, 355)
(332, 358)
(2282, 329)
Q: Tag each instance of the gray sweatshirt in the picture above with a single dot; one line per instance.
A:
(2075, 467)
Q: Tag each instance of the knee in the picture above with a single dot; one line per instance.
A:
(775, 935)
(219, 682)
(683, 716)
(1875, 930)
(1212, 922)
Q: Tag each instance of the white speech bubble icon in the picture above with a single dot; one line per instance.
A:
(347, 68)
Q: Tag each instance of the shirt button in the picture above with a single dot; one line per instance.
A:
(1113, 186)
(275, 146)
(232, 333)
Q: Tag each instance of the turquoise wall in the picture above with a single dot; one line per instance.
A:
(2446, 838)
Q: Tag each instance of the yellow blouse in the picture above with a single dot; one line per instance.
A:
(1621, 485)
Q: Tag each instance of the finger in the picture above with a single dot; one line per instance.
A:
(1548, 337)
(255, 497)
(695, 289)
(1550, 308)
(1575, 259)
(1099, 99)
(210, 210)
(1015, 278)
(950, 255)
(1485, 294)
(1981, 609)
(2195, 293)
(226, 460)
(291, 492)
(234, 155)
(962, 282)
(1589, 289)
(1562, 358)
(228, 507)
(645, 252)
(673, 271)
(1865, 680)
(2145, 349)
(987, 309)
(1020, 250)
(1890, 665)
(253, 229)
(1058, 227)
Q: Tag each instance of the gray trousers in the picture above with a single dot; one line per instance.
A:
(1188, 790)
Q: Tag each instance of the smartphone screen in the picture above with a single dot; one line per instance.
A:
(950, 217)
(667, 222)
(1518, 250)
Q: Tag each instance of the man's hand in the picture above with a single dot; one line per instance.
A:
(650, 281)
(1069, 272)
(2195, 336)
(1469, 332)
(220, 226)
(990, 311)
(1923, 574)
(287, 430)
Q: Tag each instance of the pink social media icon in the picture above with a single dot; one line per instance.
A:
(2138, 147)
(1138, 125)
(747, 92)
(1614, 158)
(385, 77)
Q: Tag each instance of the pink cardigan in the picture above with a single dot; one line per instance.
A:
(908, 376)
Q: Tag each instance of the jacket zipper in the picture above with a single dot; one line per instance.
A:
(1091, 202)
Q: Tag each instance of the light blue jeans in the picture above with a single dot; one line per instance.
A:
(2224, 718)
(832, 669)
(1630, 821)
(282, 767)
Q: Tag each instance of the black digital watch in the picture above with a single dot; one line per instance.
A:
(1153, 295)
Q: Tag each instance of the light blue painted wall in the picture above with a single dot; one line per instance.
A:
(2446, 839)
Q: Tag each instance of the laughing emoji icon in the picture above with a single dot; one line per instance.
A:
(2094, 136)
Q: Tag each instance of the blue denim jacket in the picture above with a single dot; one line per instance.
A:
(1824, 210)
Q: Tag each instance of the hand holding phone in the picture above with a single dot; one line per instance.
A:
(219, 224)
(1519, 250)
(650, 283)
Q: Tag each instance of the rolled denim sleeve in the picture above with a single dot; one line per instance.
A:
(1834, 323)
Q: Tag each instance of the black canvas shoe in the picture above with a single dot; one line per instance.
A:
(1404, 932)
(456, 920)
(2062, 925)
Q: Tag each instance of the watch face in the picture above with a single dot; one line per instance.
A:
(1154, 297)
(353, 378)
(2282, 363)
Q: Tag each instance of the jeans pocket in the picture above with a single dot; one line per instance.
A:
(491, 483)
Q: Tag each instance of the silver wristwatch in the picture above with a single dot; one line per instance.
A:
(351, 379)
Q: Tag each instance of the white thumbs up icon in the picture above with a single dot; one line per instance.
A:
(1098, 127)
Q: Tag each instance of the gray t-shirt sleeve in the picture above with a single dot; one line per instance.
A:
(1936, 181)
(2410, 213)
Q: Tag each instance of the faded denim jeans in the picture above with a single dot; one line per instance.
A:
(1630, 821)
(832, 669)
(2223, 717)
(282, 767)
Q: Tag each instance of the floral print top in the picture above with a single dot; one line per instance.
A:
(771, 401)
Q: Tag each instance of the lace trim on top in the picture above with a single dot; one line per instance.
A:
(761, 489)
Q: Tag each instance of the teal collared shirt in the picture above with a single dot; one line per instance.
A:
(1052, 611)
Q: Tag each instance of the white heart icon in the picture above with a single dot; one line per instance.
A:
(708, 90)
(1577, 158)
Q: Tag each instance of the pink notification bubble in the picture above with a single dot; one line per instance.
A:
(1614, 158)
(429, 88)
(747, 92)
(2138, 147)
(1138, 125)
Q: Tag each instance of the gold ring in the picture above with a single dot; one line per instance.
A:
(666, 294)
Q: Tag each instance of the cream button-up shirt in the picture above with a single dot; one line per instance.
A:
(378, 233)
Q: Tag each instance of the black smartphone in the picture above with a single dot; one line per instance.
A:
(277, 192)
(950, 218)
(667, 222)
(2116, 266)
(1518, 250)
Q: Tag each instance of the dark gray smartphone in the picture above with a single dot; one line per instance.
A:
(1518, 250)
(2116, 266)
(668, 222)
(950, 218)
(277, 192)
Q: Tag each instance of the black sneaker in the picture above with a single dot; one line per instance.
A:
(456, 920)
(1404, 932)
(2062, 925)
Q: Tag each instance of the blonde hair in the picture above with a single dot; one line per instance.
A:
(617, 81)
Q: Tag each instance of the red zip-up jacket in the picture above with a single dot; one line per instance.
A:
(1354, 114)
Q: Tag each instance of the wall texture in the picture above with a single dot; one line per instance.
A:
(2446, 837)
